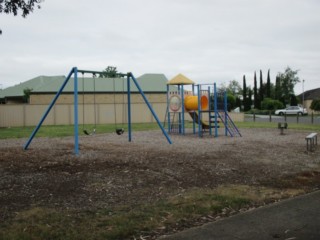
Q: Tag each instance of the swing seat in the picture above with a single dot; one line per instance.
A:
(120, 131)
(89, 134)
(86, 132)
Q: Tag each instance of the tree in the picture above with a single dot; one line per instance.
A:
(26, 93)
(109, 72)
(255, 92)
(244, 93)
(14, 6)
(293, 100)
(261, 89)
(249, 100)
(245, 101)
(315, 105)
(277, 90)
(288, 80)
(231, 100)
(268, 86)
(234, 88)
(238, 102)
(271, 104)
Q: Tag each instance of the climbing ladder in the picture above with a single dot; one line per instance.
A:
(174, 124)
(229, 124)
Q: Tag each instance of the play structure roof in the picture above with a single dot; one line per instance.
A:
(180, 79)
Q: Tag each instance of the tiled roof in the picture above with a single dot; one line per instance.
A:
(311, 94)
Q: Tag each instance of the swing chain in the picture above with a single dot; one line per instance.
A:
(94, 106)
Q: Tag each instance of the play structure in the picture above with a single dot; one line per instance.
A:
(206, 106)
(74, 72)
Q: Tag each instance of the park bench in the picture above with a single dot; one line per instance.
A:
(282, 126)
(312, 141)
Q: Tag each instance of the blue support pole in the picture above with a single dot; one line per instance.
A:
(182, 105)
(209, 113)
(193, 122)
(179, 113)
(150, 108)
(215, 110)
(76, 121)
(48, 110)
(129, 106)
(168, 110)
(199, 113)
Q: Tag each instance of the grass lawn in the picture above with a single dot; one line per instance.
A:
(68, 130)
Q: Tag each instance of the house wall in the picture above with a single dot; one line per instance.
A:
(98, 98)
(307, 104)
(63, 114)
(108, 109)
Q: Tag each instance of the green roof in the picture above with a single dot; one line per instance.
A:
(51, 84)
(34, 84)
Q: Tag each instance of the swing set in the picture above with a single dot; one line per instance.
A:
(118, 130)
(74, 72)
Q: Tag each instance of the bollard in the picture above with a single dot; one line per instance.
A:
(270, 118)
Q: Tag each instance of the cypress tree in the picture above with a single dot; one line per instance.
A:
(249, 101)
(255, 92)
(277, 90)
(261, 90)
(268, 86)
(244, 93)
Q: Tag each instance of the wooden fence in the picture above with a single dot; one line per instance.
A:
(20, 115)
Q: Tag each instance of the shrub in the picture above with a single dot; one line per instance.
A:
(315, 105)
(271, 104)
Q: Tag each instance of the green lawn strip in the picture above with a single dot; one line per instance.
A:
(296, 126)
(123, 222)
(68, 130)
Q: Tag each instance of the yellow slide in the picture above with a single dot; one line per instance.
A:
(195, 117)
(191, 105)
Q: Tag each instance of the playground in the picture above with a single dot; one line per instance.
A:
(121, 185)
(111, 172)
(149, 183)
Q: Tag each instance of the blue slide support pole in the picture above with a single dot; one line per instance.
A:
(150, 108)
(215, 110)
(129, 106)
(209, 113)
(76, 117)
(182, 105)
(193, 122)
(179, 113)
(199, 113)
(48, 110)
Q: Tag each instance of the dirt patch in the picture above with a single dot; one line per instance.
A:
(111, 172)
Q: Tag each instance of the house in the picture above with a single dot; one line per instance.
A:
(41, 90)
(308, 96)
(101, 100)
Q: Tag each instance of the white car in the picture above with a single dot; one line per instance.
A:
(292, 110)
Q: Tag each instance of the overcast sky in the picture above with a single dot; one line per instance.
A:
(206, 40)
